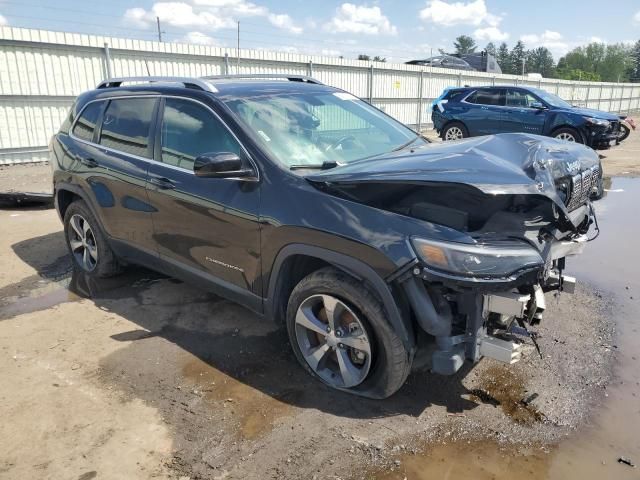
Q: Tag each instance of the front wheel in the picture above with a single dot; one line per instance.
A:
(339, 333)
(624, 132)
(567, 135)
(454, 131)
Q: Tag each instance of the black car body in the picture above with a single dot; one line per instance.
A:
(472, 111)
(439, 244)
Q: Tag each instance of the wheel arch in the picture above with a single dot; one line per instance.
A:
(448, 123)
(568, 126)
(295, 261)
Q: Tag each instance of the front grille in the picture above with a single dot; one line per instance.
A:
(581, 187)
(614, 127)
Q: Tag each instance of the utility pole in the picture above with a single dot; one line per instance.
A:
(238, 59)
(159, 31)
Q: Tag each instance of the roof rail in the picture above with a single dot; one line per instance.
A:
(188, 82)
(283, 76)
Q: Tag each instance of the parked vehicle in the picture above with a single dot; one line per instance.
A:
(626, 125)
(313, 208)
(472, 111)
(481, 61)
(443, 61)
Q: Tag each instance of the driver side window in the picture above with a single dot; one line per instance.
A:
(189, 130)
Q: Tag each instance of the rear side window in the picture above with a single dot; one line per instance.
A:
(487, 97)
(86, 124)
(127, 125)
(190, 130)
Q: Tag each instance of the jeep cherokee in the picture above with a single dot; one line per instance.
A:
(311, 207)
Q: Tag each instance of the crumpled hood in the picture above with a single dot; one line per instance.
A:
(511, 163)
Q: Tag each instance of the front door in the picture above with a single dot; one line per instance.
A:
(205, 227)
(520, 116)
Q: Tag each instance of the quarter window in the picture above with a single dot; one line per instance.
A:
(190, 130)
(127, 125)
(487, 97)
(86, 123)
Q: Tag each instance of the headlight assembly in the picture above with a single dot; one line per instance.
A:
(597, 121)
(495, 260)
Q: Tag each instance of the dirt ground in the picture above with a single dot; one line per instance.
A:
(143, 376)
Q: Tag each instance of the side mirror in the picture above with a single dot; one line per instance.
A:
(538, 105)
(220, 165)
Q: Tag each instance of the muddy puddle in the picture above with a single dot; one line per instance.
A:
(611, 263)
(254, 410)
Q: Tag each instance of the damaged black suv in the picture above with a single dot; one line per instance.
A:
(311, 207)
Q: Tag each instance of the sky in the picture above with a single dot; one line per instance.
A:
(397, 30)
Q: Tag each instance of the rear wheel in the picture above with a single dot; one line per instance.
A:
(454, 131)
(87, 243)
(567, 134)
(339, 333)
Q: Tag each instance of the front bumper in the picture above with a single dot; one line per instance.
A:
(598, 137)
(465, 315)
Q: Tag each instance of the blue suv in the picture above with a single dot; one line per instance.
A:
(472, 111)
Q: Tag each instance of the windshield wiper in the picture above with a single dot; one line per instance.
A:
(322, 166)
(405, 145)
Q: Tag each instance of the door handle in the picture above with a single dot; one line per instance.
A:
(88, 162)
(162, 183)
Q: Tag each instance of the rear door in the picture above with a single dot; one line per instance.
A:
(116, 149)
(520, 116)
(485, 109)
(206, 227)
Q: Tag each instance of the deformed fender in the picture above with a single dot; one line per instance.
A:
(355, 268)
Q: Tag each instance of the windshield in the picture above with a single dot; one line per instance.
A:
(552, 99)
(319, 128)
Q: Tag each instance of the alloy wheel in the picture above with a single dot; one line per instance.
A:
(453, 133)
(83, 243)
(566, 136)
(333, 341)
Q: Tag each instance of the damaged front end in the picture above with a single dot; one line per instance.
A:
(519, 204)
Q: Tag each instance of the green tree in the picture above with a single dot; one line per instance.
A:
(362, 56)
(379, 59)
(517, 56)
(540, 60)
(504, 58)
(464, 44)
(634, 67)
(612, 63)
(490, 49)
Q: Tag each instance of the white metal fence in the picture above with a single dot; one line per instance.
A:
(42, 71)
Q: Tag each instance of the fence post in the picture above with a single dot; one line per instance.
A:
(226, 63)
(460, 79)
(371, 83)
(107, 60)
(420, 89)
(310, 69)
(557, 88)
(588, 95)
(600, 97)
(493, 81)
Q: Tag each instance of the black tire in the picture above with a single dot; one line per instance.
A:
(454, 129)
(564, 132)
(389, 364)
(625, 131)
(107, 264)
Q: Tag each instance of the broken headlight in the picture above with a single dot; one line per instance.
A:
(487, 260)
